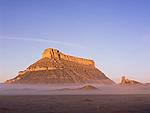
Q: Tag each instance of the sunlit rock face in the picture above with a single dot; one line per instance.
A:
(125, 81)
(51, 53)
(56, 67)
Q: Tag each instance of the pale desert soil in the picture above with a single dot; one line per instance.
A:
(75, 104)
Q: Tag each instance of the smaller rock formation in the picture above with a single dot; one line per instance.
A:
(125, 81)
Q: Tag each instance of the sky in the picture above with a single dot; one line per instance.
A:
(113, 33)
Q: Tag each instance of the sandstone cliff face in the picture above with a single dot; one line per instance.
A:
(55, 67)
(53, 53)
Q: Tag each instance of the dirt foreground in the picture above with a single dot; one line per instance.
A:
(75, 104)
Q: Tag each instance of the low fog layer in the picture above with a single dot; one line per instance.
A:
(70, 89)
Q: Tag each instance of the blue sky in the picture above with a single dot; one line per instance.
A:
(114, 33)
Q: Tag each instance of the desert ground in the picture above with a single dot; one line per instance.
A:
(116, 103)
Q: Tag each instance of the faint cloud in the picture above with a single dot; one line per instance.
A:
(43, 41)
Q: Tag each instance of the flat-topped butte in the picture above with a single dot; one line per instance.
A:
(56, 68)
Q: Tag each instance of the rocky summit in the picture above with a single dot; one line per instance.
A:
(57, 68)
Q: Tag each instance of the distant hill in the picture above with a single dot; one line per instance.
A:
(87, 87)
(58, 68)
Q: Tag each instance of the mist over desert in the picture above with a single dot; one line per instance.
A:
(71, 89)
